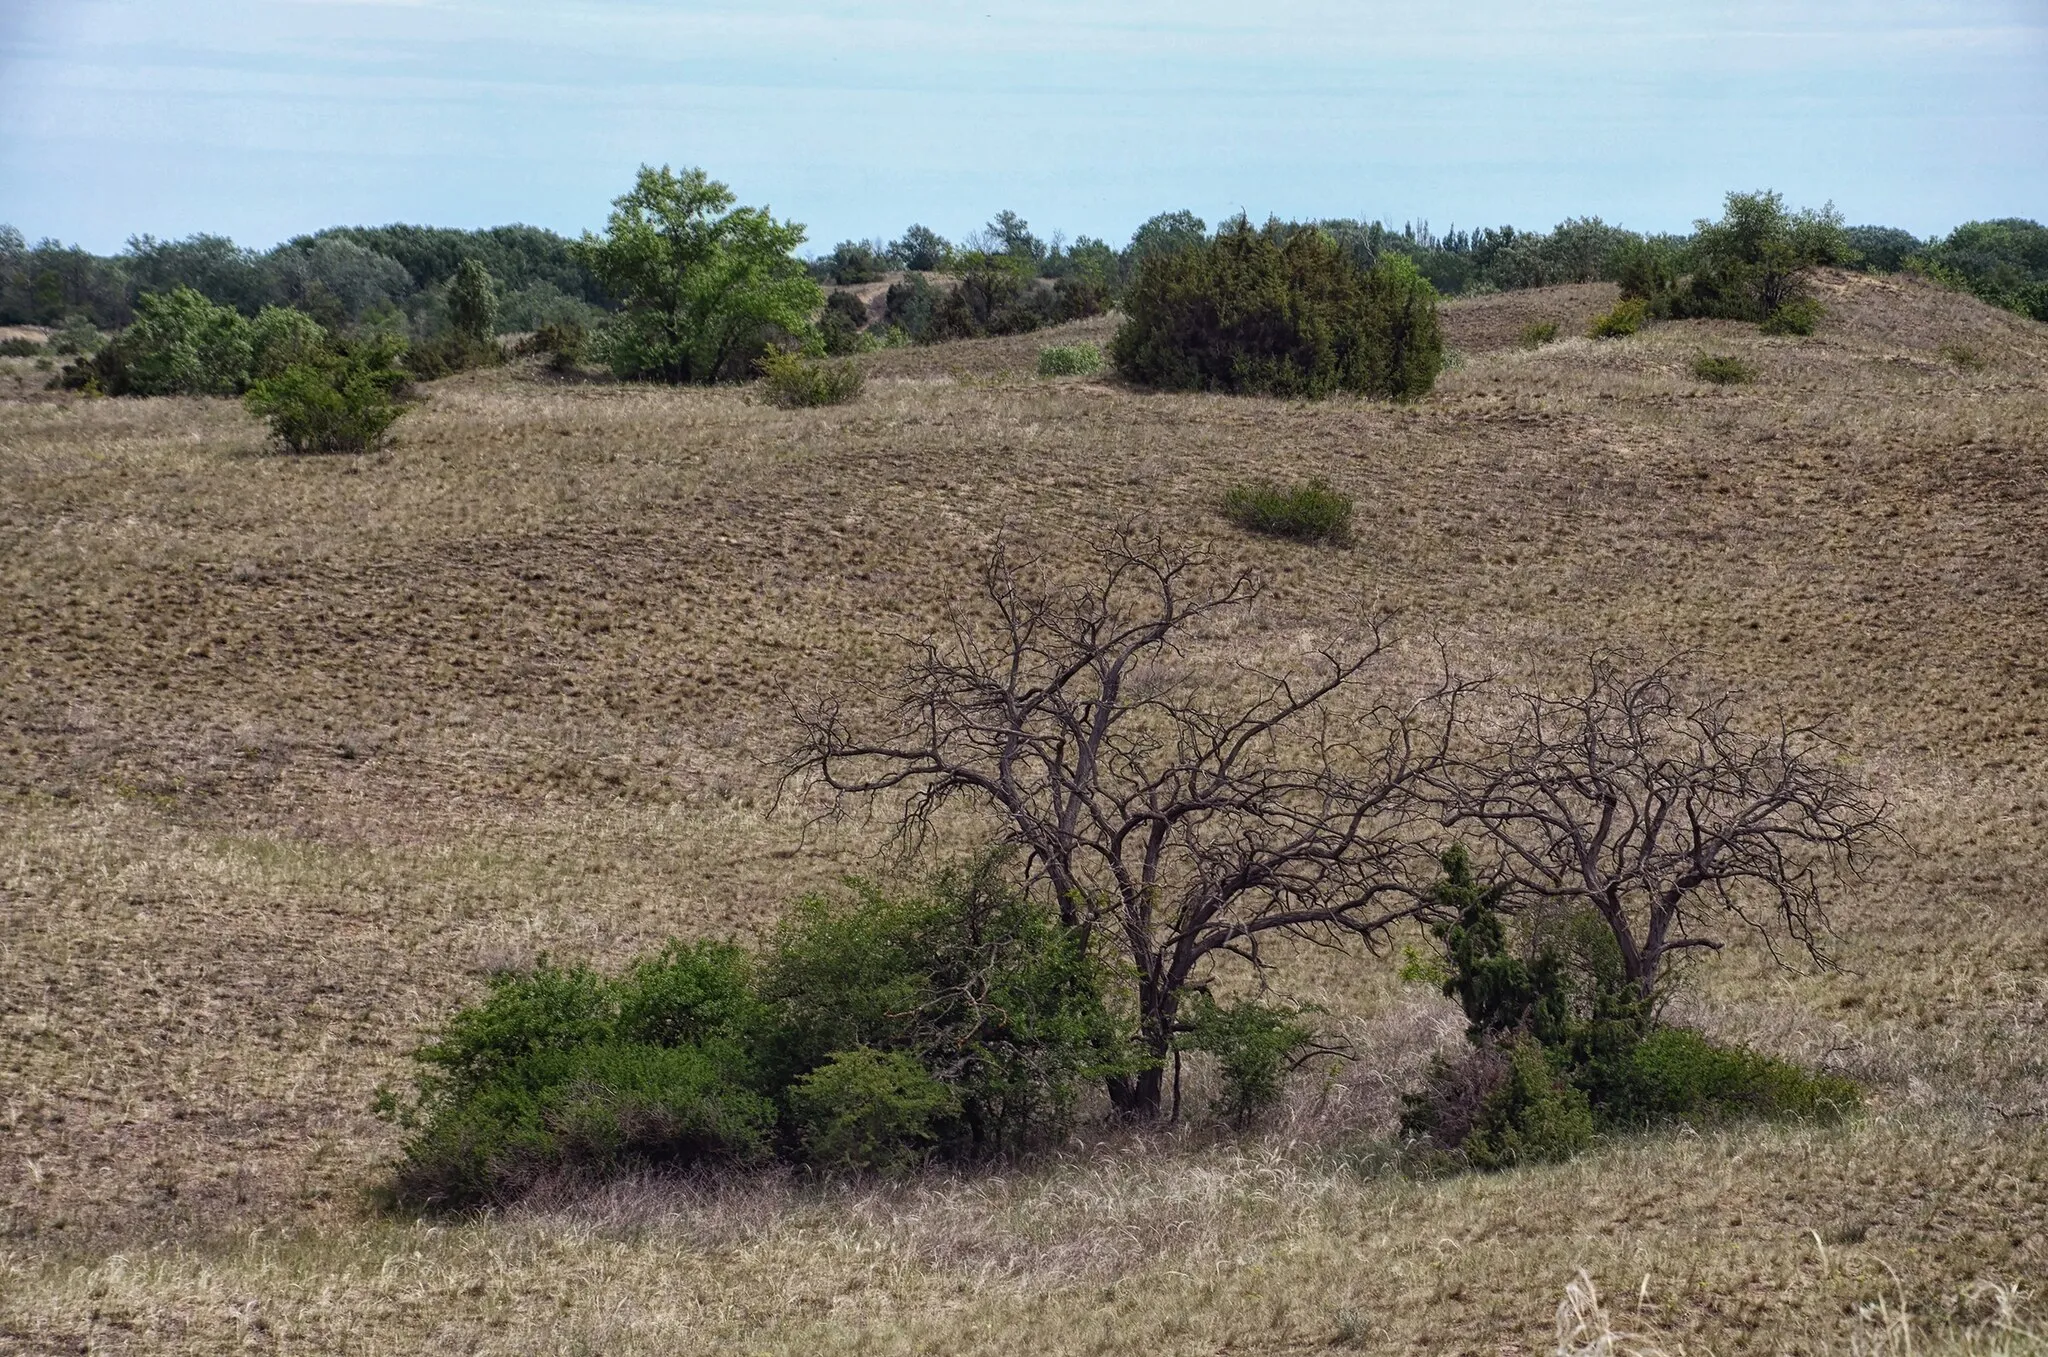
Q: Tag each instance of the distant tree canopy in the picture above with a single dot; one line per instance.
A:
(2005, 262)
(706, 286)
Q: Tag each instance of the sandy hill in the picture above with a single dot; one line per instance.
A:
(295, 750)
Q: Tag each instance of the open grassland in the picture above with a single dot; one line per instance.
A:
(293, 751)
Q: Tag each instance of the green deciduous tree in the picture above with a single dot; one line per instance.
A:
(473, 302)
(705, 286)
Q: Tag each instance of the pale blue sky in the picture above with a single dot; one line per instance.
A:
(264, 118)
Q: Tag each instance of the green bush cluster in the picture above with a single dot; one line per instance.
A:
(1280, 312)
(562, 343)
(872, 1034)
(1798, 316)
(1625, 318)
(793, 381)
(1310, 512)
(995, 294)
(1537, 333)
(1722, 369)
(1563, 1046)
(1754, 265)
(18, 347)
(2004, 262)
(341, 397)
(1069, 360)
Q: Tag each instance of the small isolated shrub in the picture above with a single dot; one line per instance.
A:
(1254, 1044)
(1313, 512)
(1626, 318)
(1533, 1115)
(878, 1111)
(343, 400)
(793, 381)
(1537, 333)
(1069, 360)
(18, 347)
(1722, 369)
(1963, 356)
(1798, 316)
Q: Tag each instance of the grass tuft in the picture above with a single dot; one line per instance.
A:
(1312, 512)
(1069, 360)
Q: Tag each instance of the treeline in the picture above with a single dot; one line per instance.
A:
(396, 278)
(393, 279)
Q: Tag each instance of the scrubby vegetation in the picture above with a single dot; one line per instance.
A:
(1624, 319)
(1722, 369)
(342, 396)
(1069, 360)
(1537, 333)
(875, 1032)
(1281, 312)
(1310, 512)
(793, 381)
(1565, 1045)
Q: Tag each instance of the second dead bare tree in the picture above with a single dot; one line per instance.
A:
(1649, 805)
(1189, 808)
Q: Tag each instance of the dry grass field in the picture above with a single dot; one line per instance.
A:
(293, 751)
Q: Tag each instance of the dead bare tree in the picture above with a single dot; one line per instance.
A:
(1188, 809)
(1643, 801)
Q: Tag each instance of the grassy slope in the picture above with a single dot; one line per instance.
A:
(294, 750)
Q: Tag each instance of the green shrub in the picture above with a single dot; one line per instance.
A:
(76, 335)
(1644, 272)
(281, 337)
(180, 345)
(1755, 261)
(1069, 360)
(1560, 999)
(1537, 333)
(561, 1070)
(344, 399)
(18, 347)
(1679, 1075)
(879, 1111)
(793, 381)
(1281, 312)
(974, 980)
(1796, 317)
(1079, 298)
(1313, 512)
(1722, 369)
(1255, 1046)
(1532, 1116)
(1626, 318)
(2004, 262)
(841, 325)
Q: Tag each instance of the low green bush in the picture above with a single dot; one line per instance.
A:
(873, 1034)
(1626, 318)
(1798, 316)
(879, 1111)
(1069, 360)
(1675, 1074)
(1722, 369)
(1254, 1044)
(180, 344)
(793, 381)
(1312, 512)
(1537, 333)
(343, 399)
(18, 347)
